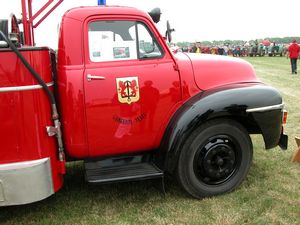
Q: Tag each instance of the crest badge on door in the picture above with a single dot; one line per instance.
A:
(128, 89)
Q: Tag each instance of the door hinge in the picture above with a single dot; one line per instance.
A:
(176, 68)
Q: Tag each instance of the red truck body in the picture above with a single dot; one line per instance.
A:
(122, 106)
(24, 112)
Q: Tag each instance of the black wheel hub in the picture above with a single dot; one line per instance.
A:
(217, 160)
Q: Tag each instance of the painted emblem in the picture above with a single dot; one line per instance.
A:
(128, 89)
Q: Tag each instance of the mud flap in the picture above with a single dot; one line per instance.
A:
(283, 141)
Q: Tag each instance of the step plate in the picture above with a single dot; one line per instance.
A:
(138, 171)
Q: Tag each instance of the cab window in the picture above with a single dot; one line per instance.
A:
(121, 40)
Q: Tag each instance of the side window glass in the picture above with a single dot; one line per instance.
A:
(148, 47)
(121, 40)
(111, 40)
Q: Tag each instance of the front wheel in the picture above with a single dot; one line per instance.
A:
(215, 159)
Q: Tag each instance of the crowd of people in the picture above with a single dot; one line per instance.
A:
(245, 49)
(291, 51)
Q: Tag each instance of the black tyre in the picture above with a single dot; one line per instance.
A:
(215, 159)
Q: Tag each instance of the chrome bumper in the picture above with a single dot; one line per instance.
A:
(25, 182)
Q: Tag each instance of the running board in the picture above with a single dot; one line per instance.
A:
(129, 172)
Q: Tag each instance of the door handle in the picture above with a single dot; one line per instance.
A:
(91, 77)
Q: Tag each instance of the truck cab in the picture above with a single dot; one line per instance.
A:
(122, 80)
(131, 109)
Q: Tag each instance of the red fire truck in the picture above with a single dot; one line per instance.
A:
(115, 97)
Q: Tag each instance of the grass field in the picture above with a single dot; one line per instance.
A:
(269, 195)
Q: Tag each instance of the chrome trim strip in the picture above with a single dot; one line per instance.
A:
(25, 182)
(266, 108)
(24, 88)
(22, 165)
(2, 196)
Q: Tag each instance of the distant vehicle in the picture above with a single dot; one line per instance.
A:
(256, 50)
(275, 50)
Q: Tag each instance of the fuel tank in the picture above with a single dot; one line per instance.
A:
(25, 113)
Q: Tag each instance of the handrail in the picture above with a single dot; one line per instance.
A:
(29, 18)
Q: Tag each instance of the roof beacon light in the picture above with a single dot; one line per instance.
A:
(101, 2)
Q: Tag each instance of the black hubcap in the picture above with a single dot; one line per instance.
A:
(217, 160)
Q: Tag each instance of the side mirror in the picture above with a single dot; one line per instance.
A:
(155, 14)
(169, 32)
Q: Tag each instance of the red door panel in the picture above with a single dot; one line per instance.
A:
(115, 126)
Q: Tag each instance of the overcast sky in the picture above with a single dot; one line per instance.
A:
(193, 20)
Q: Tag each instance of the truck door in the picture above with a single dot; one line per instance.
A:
(130, 86)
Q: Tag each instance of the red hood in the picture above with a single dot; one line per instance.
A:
(212, 71)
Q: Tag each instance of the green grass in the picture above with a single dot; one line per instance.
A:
(269, 195)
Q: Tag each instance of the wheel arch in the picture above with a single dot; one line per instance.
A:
(229, 102)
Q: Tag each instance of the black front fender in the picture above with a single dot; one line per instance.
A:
(235, 102)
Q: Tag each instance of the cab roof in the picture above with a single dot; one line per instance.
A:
(81, 13)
